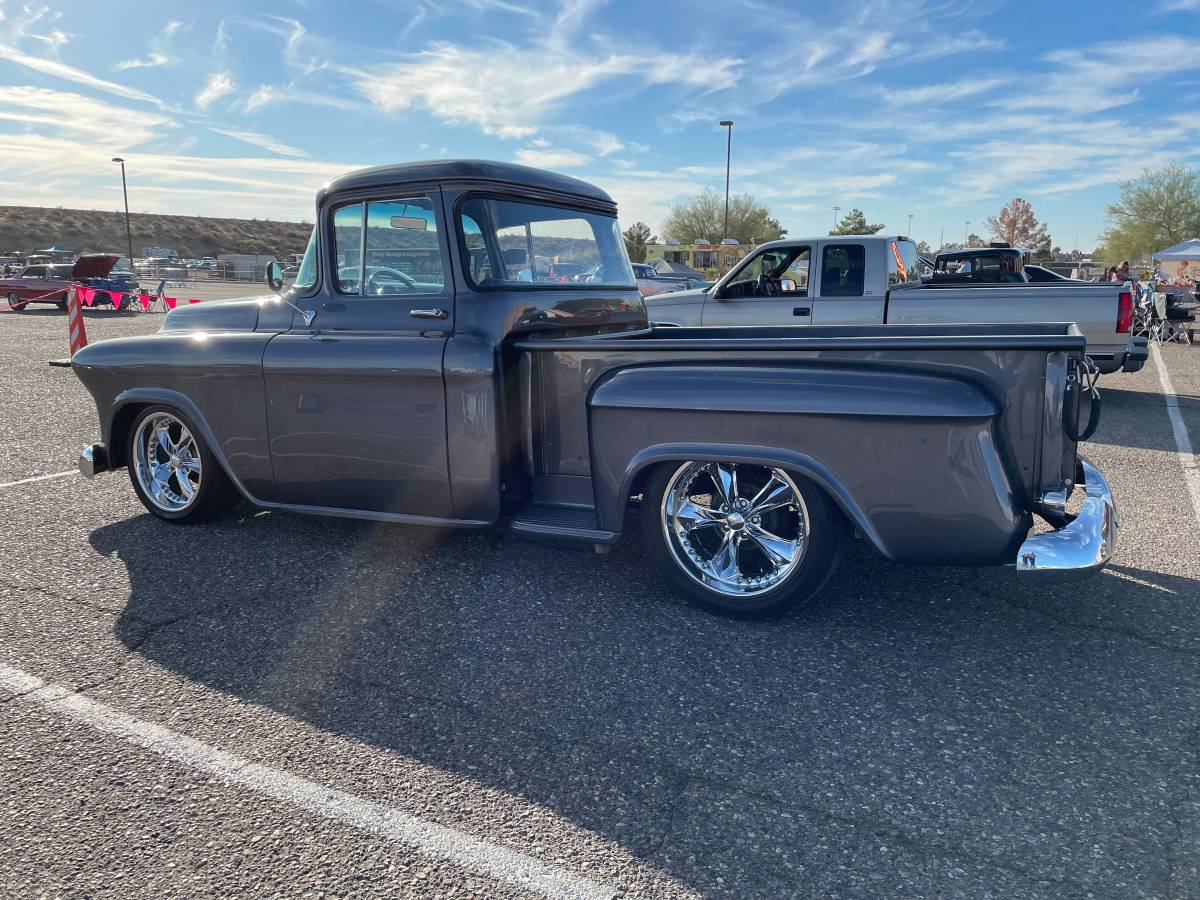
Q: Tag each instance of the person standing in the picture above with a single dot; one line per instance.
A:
(1122, 272)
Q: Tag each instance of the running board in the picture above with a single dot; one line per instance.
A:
(570, 522)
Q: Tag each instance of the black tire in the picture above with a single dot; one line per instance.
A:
(15, 303)
(101, 297)
(215, 495)
(826, 536)
(121, 303)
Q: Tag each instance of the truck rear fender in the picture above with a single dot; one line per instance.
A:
(740, 453)
(887, 445)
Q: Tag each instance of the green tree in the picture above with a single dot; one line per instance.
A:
(854, 222)
(703, 218)
(1017, 226)
(1157, 209)
(637, 236)
(924, 249)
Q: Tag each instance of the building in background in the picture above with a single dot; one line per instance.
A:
(160, 252)
(713, 260)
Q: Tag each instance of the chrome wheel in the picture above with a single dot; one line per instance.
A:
(737, 529)
(167, 462)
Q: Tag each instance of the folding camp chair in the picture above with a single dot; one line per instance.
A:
(1177, 325)
(1158, 317)
(1143, 312)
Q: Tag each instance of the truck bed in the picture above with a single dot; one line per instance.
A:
(861, 403)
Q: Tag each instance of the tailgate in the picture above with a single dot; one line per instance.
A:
(1093, 307)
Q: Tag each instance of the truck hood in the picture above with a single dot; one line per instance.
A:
(676, 298)
(240, 314)
(95, 265)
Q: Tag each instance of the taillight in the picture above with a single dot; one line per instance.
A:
(1124, 311)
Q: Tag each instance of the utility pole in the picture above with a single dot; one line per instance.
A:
(727, 124)
(125, 193)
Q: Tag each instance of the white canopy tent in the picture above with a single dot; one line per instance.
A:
(1181, 263)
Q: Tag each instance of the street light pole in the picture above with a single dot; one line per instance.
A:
(125, 193)
(909, 232)
(966, 232)
(836, 210)
(727, 124)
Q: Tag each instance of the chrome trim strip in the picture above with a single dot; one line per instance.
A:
(1082, 547)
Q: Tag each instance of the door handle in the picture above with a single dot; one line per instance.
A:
(801, 310)
(429, 314)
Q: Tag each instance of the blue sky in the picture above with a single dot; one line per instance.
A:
(943, 110)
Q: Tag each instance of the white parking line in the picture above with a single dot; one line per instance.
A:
(471, 853)
(1183, 443)
(8, 484)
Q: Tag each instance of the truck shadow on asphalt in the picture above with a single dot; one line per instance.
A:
(914, 731)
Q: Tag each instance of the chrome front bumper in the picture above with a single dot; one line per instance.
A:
(93, 460)
(1085, 544)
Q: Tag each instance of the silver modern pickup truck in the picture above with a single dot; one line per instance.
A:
(876, 280)
(419, 370)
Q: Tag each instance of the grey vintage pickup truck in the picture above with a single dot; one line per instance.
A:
(420, 370)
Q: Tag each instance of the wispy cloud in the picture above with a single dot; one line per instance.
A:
(148, 61)
(934, 94)
(549, 158)
(525, 82)
(73, 74)
(265, 141)
(218, 85)
(160, 49)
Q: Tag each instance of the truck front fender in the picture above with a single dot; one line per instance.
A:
(910, 457)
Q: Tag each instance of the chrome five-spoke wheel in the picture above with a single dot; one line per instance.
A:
(167, 462)
(739, 530)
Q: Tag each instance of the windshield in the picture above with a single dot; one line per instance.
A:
(508, 243)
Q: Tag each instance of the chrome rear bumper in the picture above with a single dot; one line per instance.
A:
(1085, 544)
(93, 460)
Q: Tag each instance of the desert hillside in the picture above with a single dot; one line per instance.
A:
(25, 228)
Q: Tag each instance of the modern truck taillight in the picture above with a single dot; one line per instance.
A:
(1124, 311)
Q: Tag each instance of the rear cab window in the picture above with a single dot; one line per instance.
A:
(509, 244)
(904, 264)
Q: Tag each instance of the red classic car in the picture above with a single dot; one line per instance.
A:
(48, 283)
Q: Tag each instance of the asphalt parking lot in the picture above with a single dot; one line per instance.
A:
(292, 706)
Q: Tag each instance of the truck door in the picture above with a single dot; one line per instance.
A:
(846, 295)
(356, 406)
(770, 288)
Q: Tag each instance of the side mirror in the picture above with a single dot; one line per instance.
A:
(275, 276)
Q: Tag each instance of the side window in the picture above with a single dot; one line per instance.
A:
(347, 247)
(787, 267)
(843, 269)
(34, 272)
(402, 251)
